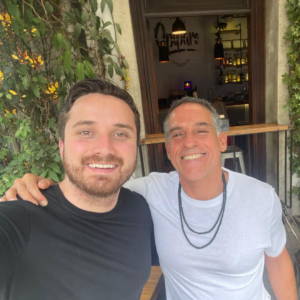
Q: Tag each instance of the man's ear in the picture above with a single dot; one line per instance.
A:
(61, 148)
(167, 149)
(223, 141)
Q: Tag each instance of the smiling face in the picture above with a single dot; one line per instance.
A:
(194, 147)
(99, 150)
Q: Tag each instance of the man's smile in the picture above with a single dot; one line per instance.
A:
(101, 166)
(192, 156)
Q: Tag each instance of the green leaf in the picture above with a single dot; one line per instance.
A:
(107, 35)
(55, 42)
(94, 5)
(106, 24)
(88, 69)
(102, 5)
(58, 72)
(67, 60)
(110, 70)
(51, 122)
(118, 28)
(35, 89)
(84, 17)
(125, 63)
(94, 33)
(124, 73)
(117, 69)
(80, 71)
(53, 176)
(110, 5)
(26, 81)
(55, 168)
(98, 23)
(62, 41)
(42, 79)
(48, 7)
(15, 26)
(77, 29)
(8, 96)
(13, 10)
(9, 116)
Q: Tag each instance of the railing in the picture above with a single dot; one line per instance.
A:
(234, 131)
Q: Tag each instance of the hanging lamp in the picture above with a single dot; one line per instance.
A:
(178, 27)
(163, 52)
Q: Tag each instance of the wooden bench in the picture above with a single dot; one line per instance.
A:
(153, 285)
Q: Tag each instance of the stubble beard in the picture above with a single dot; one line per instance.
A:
(100, 186)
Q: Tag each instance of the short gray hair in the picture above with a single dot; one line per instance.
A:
(215, 117)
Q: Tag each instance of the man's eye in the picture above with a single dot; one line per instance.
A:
(85, 132)
(177, 135)
(120, 134)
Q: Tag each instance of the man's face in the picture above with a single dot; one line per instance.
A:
(99, 152)
(194, 147)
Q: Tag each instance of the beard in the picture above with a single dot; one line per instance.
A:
(98, 185)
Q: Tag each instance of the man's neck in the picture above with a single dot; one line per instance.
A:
(87, 202)
(204, 189)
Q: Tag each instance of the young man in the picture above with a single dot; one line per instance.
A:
(93, 241)
(214, 229)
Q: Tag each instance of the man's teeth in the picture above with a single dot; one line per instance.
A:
(100, 166)
(193, 156)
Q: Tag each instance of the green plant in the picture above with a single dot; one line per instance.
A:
(45, 47)
(292, 79)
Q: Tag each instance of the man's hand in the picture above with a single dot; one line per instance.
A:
(28, 189)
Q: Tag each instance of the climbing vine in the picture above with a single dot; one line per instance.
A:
(46, 47)
(292, 79)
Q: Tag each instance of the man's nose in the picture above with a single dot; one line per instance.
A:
(103, 145)
(190, 140)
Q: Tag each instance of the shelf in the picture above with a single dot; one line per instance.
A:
(230, 32)
(241, 82)
(237, 49)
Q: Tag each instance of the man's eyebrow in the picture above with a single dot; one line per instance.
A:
(197, 124)
(84, 122)
(121, 125)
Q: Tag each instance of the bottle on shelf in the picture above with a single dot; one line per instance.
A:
(230, 60)
(234, 60)
(242, 77)
(238, 77)
(229, 74)
(246, 75)
(226, 59)
(246, 58)
(234, 77)
(226, 77)
(238, 60)
(243, 60)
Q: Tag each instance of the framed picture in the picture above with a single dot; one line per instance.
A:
(246, 43)
(227, 44)
(238, 43)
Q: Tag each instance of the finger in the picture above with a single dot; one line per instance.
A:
(11, 194)
(3, 199)
(44, 183)
(29, 186)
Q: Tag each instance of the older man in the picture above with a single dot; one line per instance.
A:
(214, 229)
(93, 240)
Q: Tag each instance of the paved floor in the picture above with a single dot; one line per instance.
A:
(292, 245)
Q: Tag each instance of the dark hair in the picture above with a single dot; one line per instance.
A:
(215, 117)
(95, 85)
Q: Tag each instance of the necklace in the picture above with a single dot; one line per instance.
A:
(217, 223)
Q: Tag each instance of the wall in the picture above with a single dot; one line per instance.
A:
(126, 42)
(197, 66)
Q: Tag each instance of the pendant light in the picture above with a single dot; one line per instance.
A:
(163, 52)
(178, 27)
(219, 50)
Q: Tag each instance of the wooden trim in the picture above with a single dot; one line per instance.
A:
(145, 70)
(233, 131)
(257, 83)
(154, 284)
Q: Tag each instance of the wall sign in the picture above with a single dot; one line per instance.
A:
(181, 42)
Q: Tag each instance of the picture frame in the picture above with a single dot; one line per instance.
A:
(237, 44)
(227, 44)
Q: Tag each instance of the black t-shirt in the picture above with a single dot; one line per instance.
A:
(63, 252)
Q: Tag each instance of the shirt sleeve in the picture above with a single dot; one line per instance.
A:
(277, 230)
(15, 228)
